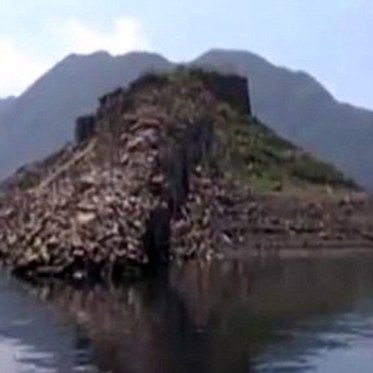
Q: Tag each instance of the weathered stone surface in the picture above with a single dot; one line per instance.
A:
(229, 88)
(142, 189)
(85, 128)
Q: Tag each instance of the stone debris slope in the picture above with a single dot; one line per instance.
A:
(101, 206)
(149, 179)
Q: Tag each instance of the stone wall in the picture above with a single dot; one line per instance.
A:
(84, 128)
(229, 88)
(184, 154)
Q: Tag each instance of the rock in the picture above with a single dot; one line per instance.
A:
(130, 118)
(124, 159)
(84, 206)
(136, 144)
(85, 218)
(147, 123)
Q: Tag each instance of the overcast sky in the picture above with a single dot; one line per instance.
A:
(328, 38)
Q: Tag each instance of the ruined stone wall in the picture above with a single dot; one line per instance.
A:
(85, 128)
(141, 172)
(184, 154)
(228, 88)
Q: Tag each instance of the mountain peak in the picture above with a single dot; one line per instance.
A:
(293, 104)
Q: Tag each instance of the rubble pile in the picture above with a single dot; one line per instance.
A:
(98, 206)
(139, 188)
(88, 219)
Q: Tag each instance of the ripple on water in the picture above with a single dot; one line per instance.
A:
(33, 339)
(232, 317)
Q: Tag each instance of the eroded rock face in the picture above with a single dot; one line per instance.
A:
(85, 128)
(112, 202)
(229, 88)
(143, 185)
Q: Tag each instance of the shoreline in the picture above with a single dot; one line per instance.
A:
(299, 253)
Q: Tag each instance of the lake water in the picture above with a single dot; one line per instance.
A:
(313, 315)
(33, 338)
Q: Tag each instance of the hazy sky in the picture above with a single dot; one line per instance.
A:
(328, 38)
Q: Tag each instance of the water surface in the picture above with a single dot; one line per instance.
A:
(32, 336)
(313, 315)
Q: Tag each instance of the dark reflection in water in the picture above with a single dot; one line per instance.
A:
(281, 316)
(31, 337)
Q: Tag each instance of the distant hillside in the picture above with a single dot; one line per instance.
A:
(6, 104)
(292, 103)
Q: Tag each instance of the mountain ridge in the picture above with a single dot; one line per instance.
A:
(294, 104)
